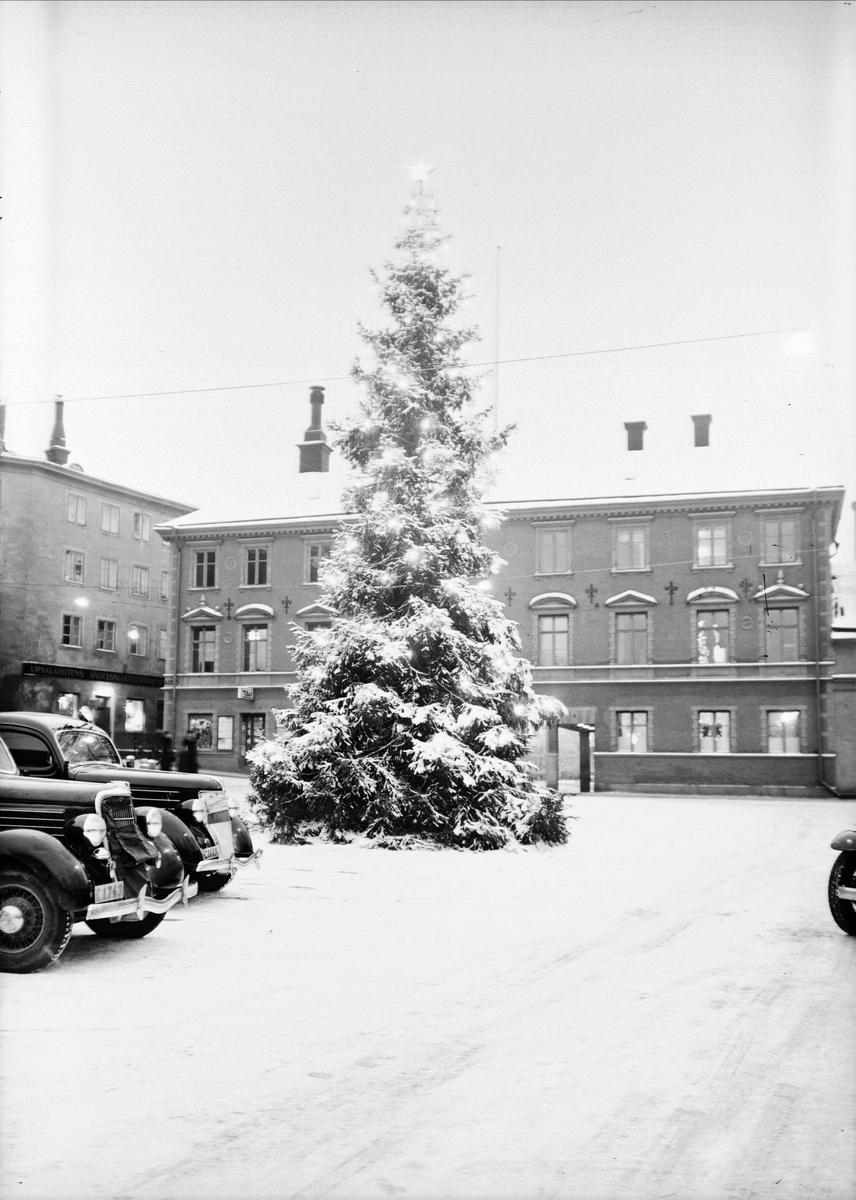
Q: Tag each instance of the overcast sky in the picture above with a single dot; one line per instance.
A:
(195, 193)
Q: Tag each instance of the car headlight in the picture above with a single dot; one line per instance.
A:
(94, 828)
(154, 822)
(200, 810)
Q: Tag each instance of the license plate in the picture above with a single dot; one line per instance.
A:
(109, 891)
(209, 851)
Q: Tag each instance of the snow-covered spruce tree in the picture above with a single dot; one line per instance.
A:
(412, 714)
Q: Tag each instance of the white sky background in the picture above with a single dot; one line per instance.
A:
(194, 195)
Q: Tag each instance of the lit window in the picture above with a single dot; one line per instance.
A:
(139, 581)
(138, 639)
(142, 526)
(553, 640)
(202, 645)
(73, 571)
(108, 574)
(205, 568)
(317, 553)
(712, 545)
(76, 509)
(631, 547)
(781, 540)
(255, 648)
(67, 704)
(633, 732)
(135, 716)
(200, 726)
(781, 634)
(72, 630)
(105, 637)
(631, 638)
(783, 733)
(554, 551)
(714, 732)
(257, 566)
(110, 518)
(713, 632)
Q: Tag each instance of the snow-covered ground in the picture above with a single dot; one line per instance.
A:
(663, 1008)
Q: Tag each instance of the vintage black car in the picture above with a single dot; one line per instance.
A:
(210, 837)
(78, 852)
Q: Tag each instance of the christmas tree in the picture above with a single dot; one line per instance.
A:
(413, 713)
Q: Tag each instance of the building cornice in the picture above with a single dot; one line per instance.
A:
(72, 478)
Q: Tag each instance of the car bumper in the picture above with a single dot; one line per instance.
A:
(141, 903)
(220, 866)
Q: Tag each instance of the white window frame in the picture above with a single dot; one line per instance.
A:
(629, 524)
(72, 618)
(75, 508)
(144, 580)
(256, 550)
(142, 526)
(138, 646)
(801, 728)
(104, 568)
(113, 513)
(247, 642)
(728, 713)
(324, 546)
(69, 574)
(206, 566)
(546, 550)
(768, 516)
(109, 626)
(195, 629)
(712, 521)
(617, 714)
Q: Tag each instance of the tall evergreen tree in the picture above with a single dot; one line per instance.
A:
(413, 712)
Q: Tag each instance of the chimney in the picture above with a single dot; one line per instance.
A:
(57, 451)
(314, 451)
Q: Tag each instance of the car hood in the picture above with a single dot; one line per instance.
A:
(172, 781)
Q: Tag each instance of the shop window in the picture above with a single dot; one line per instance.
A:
(135, 716)
(713, 636)
(632, 732)
(72, 630)
(110, 518)
(631, 638)
(255, 656)
(783, 732)
(781, 540)
(205, 568)
(714, 732)
(108, 574)
(554, 551)
(201, 727)
(782, 634)
(553, 640)
(75, 511)
(73, 569)
(256, 567)
(203, 640)
(105, 636)
(68, 703)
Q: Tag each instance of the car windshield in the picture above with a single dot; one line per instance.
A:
(87, 745)
(7, 762)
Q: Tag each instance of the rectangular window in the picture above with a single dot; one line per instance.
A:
(712, 545)
(256, 574)
(554, 551)
(782, 634)
(72, 630)
(255, 648)
(76, 509)
(73, 570)
(783, 733)
(225, 733)
(139, 581)
(135, 716)
(631, 547)
(714, 732)
(105, 637)
(553, 641)
(631, 638)
(110, 518)
(317, 553)
(202, 645)
(313, 624)
(252, 731)
(713, 635)
(632, 732)
(205, 568)
(138, 639)
(108, 574)
(142, 526)
(162, 643)
(781, 540)
(201, 727)
(164, 585)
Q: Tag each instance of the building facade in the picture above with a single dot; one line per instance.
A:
(689, 636)
(84, 600)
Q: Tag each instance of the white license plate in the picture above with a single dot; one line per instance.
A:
(209, 851)
(109, 891)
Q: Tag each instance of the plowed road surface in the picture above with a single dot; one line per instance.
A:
(663, 1008)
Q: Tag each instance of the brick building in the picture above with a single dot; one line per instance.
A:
(83, 594)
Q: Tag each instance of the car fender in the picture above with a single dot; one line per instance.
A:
(51, 861)
(242, 839)
(846, 840)
(178, 833)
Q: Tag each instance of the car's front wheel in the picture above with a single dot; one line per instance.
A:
(843, 875)
(34, 928)
(126, 931)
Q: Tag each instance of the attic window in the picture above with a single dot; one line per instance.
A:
(701, 428)
(635, 434)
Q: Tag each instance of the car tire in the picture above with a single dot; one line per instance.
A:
(34, 927)
(843, 874)
(126, 931)
(209, 882)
